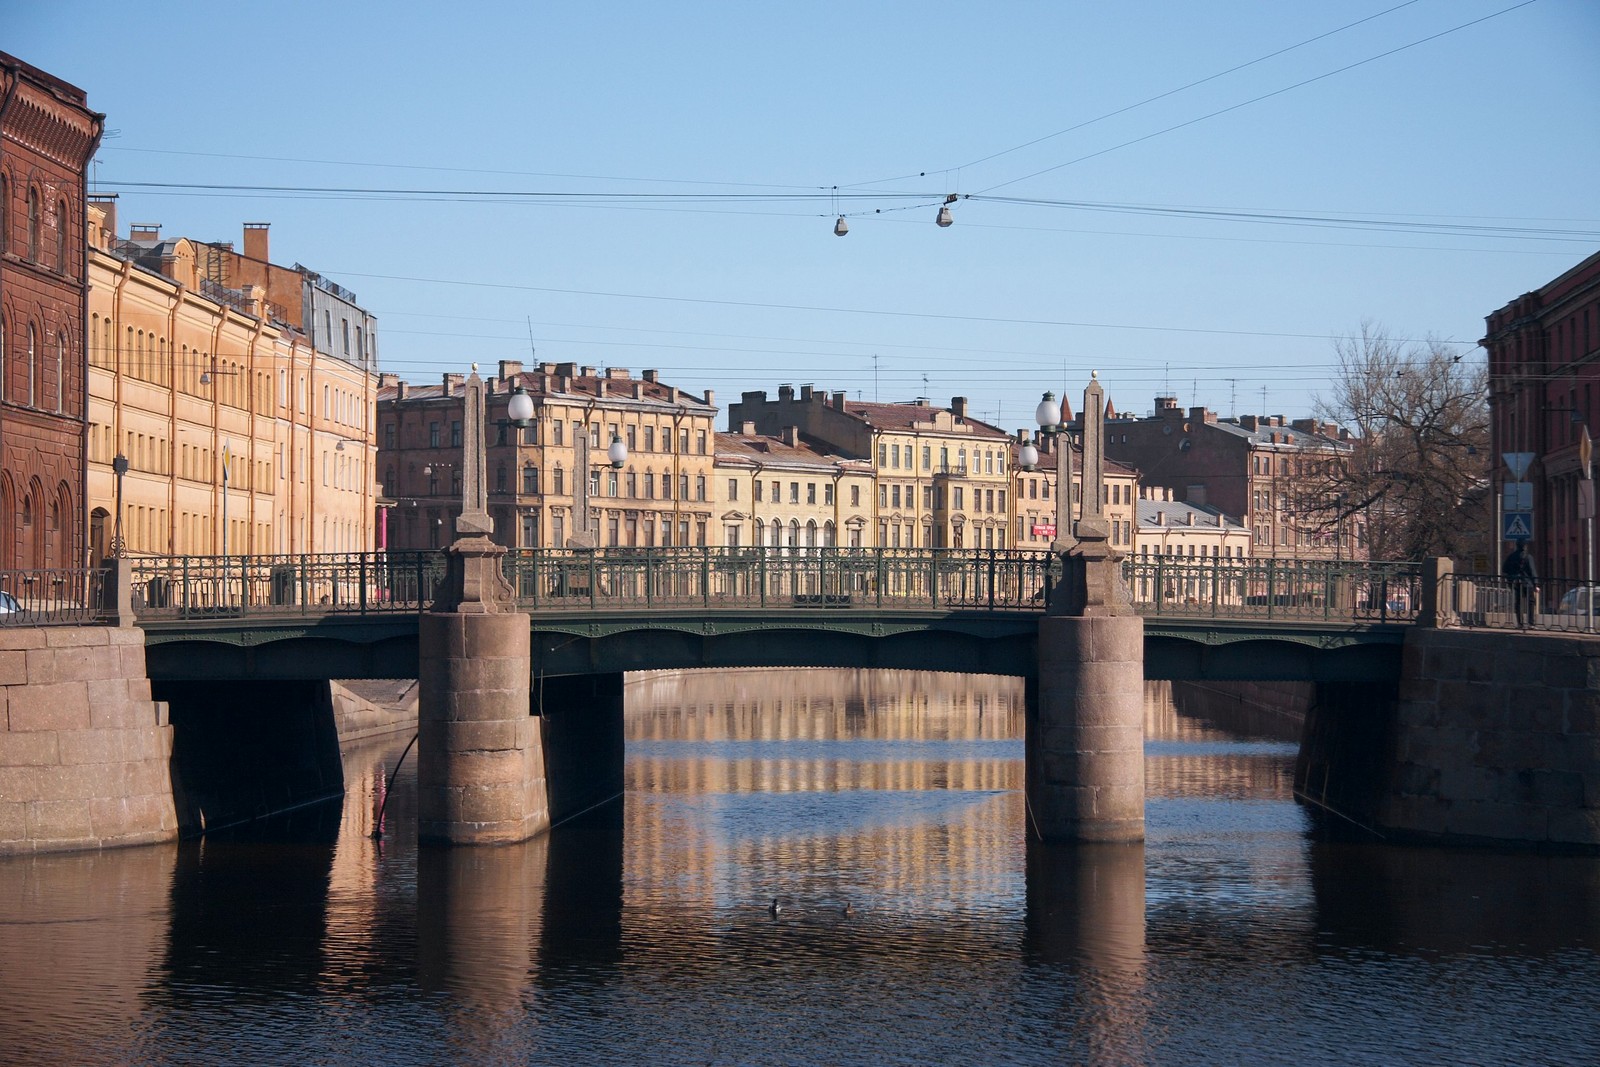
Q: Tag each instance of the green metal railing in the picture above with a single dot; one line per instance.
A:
(827, 579)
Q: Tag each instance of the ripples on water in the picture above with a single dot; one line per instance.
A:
(915, 925)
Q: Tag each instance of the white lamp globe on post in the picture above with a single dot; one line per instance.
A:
(519, 408)
(1048, 414)
(617, 453)
(1028, 456)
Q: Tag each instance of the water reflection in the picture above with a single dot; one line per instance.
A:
(917, 923)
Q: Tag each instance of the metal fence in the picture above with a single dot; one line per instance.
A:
(1306, 590)
(59, 596)
(554, 580)
(1487, 602)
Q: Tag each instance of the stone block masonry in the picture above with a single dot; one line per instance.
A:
(1497, 740)
(85, 753)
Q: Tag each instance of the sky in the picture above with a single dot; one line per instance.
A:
(1192, 199)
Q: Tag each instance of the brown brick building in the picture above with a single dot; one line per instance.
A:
(1544, 390)
(47, 137)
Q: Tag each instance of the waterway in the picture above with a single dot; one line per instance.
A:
(916, 924)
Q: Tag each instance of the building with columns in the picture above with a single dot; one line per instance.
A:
(789, 492)
(48, 135)
(551, 485)
(242, 432)
(943, 477)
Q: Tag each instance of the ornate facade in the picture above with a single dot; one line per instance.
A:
(47, 137)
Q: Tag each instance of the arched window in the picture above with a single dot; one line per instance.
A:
(830, 536)
(776, 538)
(61, 372)
(61, 237)
(33, 363)
(5, 205)
(794, 533)
(811, 534)
(33, 225)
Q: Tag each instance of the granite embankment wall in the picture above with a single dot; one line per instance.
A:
(1497, 740)
(84, 750)
(1491, 738)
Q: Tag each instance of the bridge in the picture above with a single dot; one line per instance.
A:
(614, 610)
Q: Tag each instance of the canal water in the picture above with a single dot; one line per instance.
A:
(915, 923)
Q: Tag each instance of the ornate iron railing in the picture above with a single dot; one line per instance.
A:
(58, 596)
(830, 579)
(1307, 590)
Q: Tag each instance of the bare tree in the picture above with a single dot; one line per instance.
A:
(1418, 479)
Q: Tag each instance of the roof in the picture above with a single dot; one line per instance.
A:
(771, 451)
(579, 388)
(1178, 514)
(914, 417)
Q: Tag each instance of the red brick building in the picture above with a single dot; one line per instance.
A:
(47, 137)
(1544, 389)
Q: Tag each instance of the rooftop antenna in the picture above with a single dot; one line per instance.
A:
(533, 353)
(925, 395)
(1233, 396)
(874, 377)
(1263, 400)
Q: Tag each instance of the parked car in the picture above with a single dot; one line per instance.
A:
(10, 610)
(1580, 601)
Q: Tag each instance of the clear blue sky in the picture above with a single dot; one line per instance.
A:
(1464, 168)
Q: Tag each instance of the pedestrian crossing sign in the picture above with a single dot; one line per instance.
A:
(1518, 526)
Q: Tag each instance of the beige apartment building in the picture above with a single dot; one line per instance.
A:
(789, 492)
(242, 432)
(551, 484)
(943, 477)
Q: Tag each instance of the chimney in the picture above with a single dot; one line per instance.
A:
(652, 375)
(785, 393)
(958, 405)
(566, 370)
(791, 436)
(1166, 403)
(588, 372)
(1249, 422)
(617, 372)
(400, 390)
(747, 428)
(838, 400)
(711, 398)
(452, 382)
(1188, 518)
(255, 241)
(753, 396)
(638, 390)
(510, 368)
(144, 231)
(805, 393)
(1197, 416)
(1161, 518)
(672, 394)
(601, 388)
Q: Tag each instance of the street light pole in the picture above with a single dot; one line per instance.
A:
(119, 467)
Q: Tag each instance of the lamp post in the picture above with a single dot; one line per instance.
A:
(119, 467)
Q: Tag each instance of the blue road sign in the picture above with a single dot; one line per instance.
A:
(1517, 525)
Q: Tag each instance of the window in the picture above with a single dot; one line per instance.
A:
(883, 455)
(700, 487)
(894, 456)
(594, 483)
(388, 435)
(855, 496)
(794, 492)
(894, 496)
(733, 489)
(61, 238)
(683, 485)
(611, 488)
(927, 457)
(33, 225)
(633, 487)
(700, 442)
(649, 485)
(500, 478)
(556, 431)
(956, 498)
(758, 484)
(683, 441)
(433, 435)
(455, 433)
(632, 438)
(883, 496)
(556, 486)
(649, 438)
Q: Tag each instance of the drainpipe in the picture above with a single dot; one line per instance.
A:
(80, 521)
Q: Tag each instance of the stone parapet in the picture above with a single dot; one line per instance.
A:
(85, 753)
(1497, 740)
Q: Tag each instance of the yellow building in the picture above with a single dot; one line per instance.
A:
(241, 433)
(1034, 518)
(943, 477)
(551, 485)
(1174, 529)
(789, 492)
